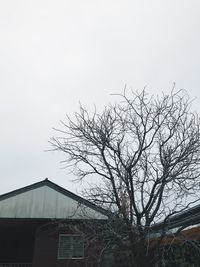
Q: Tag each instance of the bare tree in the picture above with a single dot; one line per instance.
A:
(145, 152)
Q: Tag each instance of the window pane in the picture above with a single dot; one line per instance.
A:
(65, 248)
(78, 246)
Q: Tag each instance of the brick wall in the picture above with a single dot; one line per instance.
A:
(46, 249)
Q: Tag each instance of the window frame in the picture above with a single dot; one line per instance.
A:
(72, 257)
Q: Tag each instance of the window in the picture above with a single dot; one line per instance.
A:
(70, 246)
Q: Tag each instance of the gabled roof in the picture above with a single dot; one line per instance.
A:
(46, 199)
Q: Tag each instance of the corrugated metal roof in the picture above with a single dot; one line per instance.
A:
(47, 200)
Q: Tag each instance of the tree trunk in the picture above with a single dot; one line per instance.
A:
(140, 257)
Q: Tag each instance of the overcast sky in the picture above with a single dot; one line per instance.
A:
(54, 54)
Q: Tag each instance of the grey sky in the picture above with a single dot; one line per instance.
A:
(54, 54)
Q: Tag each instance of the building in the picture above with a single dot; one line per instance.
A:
(45, 225)
(180, 246)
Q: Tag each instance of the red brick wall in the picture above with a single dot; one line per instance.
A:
(46, 250)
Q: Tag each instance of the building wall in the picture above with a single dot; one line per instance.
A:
(36, 241)
(46, 248)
